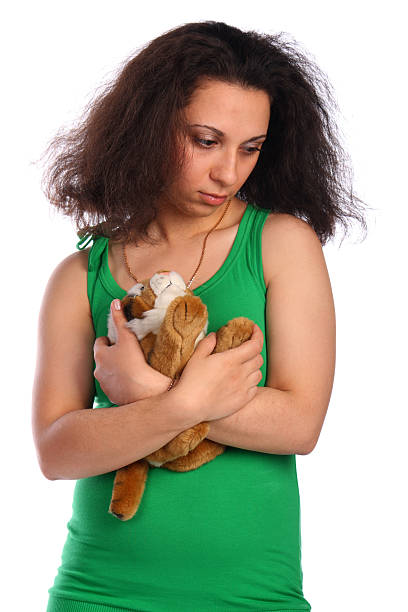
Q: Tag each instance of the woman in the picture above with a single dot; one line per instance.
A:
(208, 131)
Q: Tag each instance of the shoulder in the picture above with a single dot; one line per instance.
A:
(68, 281)
(72, 268)
(286, 240)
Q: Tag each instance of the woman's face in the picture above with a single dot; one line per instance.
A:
(228, 125)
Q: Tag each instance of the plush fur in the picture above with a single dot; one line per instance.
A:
(169, 321)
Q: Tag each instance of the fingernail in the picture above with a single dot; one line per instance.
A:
(116, 304)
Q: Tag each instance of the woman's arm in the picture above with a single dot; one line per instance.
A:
(287, 415)
(72, 440)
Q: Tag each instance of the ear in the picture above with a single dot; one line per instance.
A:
(134, 307)
(136, 290)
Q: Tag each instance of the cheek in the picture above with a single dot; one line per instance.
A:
(247, 168)
(193, 170)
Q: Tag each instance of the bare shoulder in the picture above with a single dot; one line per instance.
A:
(286, 239)
(73, 263)
(68, 283)
(72, 269)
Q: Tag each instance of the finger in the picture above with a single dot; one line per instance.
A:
(254, 364)
(119, 321)
(100, 342)
(123, 333)
(254, 378)
(206, 345)
(257, 335)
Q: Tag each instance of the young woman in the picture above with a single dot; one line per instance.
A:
(208, 131)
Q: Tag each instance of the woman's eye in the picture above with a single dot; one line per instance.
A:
(253, 150)
(206, 144)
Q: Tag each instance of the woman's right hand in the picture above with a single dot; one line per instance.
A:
(217, 385)
(121, 368)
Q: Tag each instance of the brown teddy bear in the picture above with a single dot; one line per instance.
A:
(169, 321)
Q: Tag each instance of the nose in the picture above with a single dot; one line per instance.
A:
(224, 168)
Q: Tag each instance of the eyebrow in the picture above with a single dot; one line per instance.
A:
(219, 133)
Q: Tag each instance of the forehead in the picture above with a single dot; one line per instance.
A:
(215, 101)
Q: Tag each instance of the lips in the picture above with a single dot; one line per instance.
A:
(212, 199)
(214, 195)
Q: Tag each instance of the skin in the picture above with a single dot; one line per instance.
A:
(214, 164)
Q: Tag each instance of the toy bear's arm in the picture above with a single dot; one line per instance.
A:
(150, 321)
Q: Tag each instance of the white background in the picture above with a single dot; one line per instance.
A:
(352, 486)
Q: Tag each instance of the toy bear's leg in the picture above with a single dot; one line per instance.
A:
(147, 344)
(203, 453)
(128, 489)
(233, 334)
(185, 319)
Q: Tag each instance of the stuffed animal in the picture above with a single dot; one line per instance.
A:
(169, 321)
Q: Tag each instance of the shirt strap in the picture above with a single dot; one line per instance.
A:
(85, 240)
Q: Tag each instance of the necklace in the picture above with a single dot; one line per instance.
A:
(195, 271)
(202, 252)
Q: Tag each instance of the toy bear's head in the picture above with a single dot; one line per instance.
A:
(146, 303)
(156, 292)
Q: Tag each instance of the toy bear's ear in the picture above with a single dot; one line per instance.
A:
(136, 290)
(134, 307)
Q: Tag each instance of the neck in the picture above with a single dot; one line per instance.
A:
(173, 227)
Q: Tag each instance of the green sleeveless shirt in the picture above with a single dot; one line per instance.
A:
(223, 537)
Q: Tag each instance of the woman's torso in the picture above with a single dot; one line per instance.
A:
(225, 536)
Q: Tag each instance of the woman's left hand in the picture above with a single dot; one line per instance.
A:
(121, 368)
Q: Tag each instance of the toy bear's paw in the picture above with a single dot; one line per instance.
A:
(128, 488)
(189, 314)
(233, 334)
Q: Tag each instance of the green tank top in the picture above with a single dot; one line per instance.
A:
(223, 537)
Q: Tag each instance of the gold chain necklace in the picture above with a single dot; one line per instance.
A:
(202, 252)
(195, 271)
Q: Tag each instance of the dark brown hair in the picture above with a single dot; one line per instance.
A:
(108, 171)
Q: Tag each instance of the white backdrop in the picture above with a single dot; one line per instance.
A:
(352, 486)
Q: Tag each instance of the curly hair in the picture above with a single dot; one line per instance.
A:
(108, 171)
